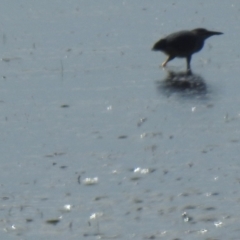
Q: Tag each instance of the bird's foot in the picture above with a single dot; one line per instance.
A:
(189, 71)
(164, 64)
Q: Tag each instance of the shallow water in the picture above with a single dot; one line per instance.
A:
(96, 142)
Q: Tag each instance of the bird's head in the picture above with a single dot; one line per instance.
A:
(204, 33)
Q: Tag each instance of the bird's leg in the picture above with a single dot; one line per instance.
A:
(188, 63)
(167, 60)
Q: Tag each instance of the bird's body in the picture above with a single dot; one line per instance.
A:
(183, 44)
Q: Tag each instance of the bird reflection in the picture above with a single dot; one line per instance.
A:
(188, 83)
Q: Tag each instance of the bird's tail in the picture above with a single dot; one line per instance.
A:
(160, 45)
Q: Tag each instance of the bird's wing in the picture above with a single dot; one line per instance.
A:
(183, 42)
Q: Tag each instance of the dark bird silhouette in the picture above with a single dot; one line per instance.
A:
(183, 44)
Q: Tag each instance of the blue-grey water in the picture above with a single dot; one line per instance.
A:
(96, 143)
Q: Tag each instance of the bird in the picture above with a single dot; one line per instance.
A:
(183, 44)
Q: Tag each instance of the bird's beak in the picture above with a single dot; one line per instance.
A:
(211, 33)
